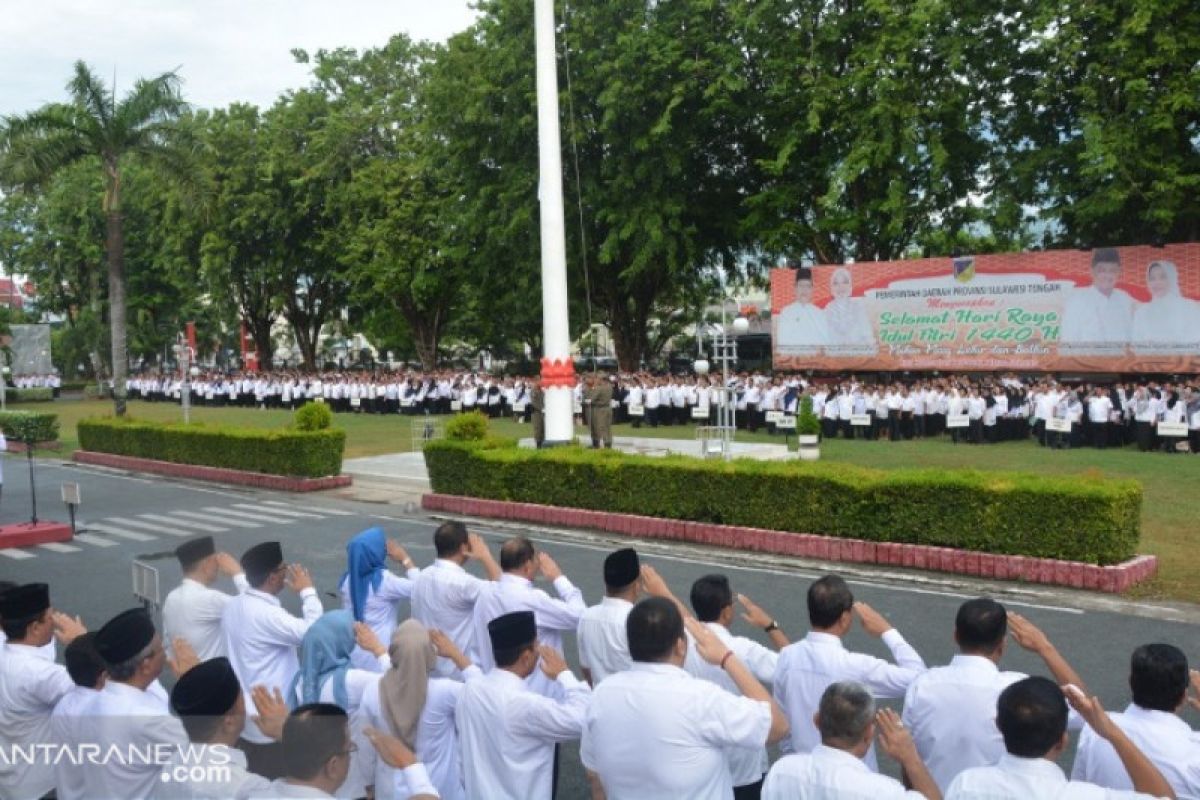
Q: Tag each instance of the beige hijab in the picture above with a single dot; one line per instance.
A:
(404, 687)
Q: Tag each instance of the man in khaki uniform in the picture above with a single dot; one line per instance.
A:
(601, 395)
(537, 400)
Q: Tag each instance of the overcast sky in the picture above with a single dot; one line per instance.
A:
(226, 50)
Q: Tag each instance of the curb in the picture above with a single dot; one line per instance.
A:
(282, 483)
(19, 447)
(27, 534)
(1112, 579)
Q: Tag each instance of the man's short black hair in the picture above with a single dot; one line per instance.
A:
(828, 598)
(83, 662)
(1105, 255)
(1158, 677)
(710, 595)
(508, 656)
(449, 538)
(1032, 717)
(16, 629)
(313, 734)
(516, 553)
(981, 625)
(653, 627)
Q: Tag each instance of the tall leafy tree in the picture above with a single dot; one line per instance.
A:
(95, 127)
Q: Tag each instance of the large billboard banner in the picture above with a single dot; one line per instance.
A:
(1124, 309)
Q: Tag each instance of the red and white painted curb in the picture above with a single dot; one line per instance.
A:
(1112, 579)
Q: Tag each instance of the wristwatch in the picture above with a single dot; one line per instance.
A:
(774, 626)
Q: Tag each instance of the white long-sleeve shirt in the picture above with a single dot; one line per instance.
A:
(70, 780)
(654, 732)
(437, 736)
(746, 765)
(951, 713)
(261, 638)
(508, 733)
(830, 774)
(443, 598)
(807, 667)
(603, 644)
(1164, 738)
(379, 610)
(553, 617)
(30, 688)
(193, 611)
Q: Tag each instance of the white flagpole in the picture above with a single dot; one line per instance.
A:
(558, 371)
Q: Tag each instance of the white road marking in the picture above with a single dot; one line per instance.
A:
(14, 553)
(221, 513)
(124, 534)
(237, 523)
(169, 520)
(337, 512)
(59, 547)
(152, 526)
(258, 509)
(99, 541)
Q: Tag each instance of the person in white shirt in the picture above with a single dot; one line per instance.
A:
(951, 710)
(193, 610)
(800, 327)
(712, 600)
(515, 591)
(130, 713)
(444, 594)
(420, 708)
(317, 748)
(1158, 679)
(1032, 717)
(655, 732)
(327, 676)
(30, 685)
(86, 669)
(261, 638)
(370, 591)
(1098, 319)
(508, 734)
(603, 647)
(208, 701)
(834, 770)
(1099, 410)
(819, 659)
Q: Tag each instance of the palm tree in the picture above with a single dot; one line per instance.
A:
(93, 126)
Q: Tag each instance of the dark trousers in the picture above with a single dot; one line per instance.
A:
(1145, 435)
(751, 791)
(264, 759)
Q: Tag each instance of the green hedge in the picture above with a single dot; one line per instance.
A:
(307, 454)
(29, 426)
(37, 394)
(1079, 518)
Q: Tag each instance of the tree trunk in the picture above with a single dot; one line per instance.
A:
(260, 331)
(115, 252)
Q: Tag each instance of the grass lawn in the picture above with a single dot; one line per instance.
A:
(1171, 483)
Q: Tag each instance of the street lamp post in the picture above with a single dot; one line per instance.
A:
(558, 369)
(4, 373)
(724, 351)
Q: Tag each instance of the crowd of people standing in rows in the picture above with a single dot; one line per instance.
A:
(471, 696)
(966, 408)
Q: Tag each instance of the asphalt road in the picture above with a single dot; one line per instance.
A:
(125, 517)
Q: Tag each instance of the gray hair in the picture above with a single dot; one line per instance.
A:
(125, 670)
(846, 709)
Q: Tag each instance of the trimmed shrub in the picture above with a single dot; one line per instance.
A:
(32, 394)
(306, 454)
(807, 423)
(30, 427)
(312, 417)
(1078, 518)
(469, 427)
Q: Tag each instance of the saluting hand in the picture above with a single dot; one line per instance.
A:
(653, 583)
(1026, 634)
(552, 663)
(298, 578)
(67, 628)
(185, 657)
(393, 751)
(476, 546)
(708, 646)
(894, 738)
(396, 551)
(228, 565)
(272, 711)
(754, 615)
(365, 638)
(1194, 698)
(548, 566)
(871, 620)
(1090, 709)
(446, 648)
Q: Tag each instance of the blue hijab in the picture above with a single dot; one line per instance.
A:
(367, 554)
(324, 654)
